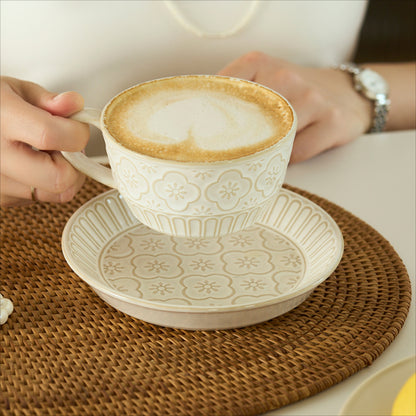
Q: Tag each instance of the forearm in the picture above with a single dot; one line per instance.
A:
(401, 78)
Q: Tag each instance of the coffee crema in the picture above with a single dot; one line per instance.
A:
(198, 118)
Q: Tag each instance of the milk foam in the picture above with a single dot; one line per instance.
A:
(198, 118)
(213, 120)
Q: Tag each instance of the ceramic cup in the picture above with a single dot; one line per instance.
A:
(190, 199)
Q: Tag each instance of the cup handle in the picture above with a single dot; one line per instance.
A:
(82, 162)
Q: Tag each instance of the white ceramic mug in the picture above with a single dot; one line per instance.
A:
(189, 199)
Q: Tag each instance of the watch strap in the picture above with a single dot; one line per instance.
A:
(381, 103)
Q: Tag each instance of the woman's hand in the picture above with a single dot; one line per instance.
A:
(34, 128)
(330, 112)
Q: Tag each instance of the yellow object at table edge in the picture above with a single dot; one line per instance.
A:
(405, 402)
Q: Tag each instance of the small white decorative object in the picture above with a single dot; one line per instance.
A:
(6, 308)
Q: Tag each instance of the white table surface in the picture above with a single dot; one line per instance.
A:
(374, 179)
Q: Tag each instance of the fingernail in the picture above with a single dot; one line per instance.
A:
(59, 96)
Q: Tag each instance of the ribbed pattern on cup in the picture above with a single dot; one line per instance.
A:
(207, 227)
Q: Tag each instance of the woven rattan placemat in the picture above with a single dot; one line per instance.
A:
(65, 352)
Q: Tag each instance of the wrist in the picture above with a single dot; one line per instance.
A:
(373, 88)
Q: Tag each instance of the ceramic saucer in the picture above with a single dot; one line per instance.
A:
(232, 281)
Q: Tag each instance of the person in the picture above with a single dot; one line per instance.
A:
(287, 46)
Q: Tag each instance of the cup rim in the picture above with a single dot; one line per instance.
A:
(107, 135)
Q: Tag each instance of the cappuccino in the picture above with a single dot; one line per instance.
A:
(198, 118)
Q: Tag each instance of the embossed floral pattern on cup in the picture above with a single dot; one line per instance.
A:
(175, 189)
(271, 177)
(132, 182)
(229, 190)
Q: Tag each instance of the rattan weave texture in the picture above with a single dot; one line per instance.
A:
(65, 352)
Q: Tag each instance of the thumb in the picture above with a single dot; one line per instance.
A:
(63, 104)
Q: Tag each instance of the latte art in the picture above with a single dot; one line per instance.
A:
(186, 120)
(212, 120)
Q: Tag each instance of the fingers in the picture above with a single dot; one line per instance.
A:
(318, 124)
(64, 104)
(22, 121)
(282, 77)
(245, 67)
(38, 117)
(16, 193)
(314, 139)
(307, 102)
(47, 171)
(34, 118)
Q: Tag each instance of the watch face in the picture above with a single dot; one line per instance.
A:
(372, 83)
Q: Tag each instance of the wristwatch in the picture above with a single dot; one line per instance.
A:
(374, 87)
